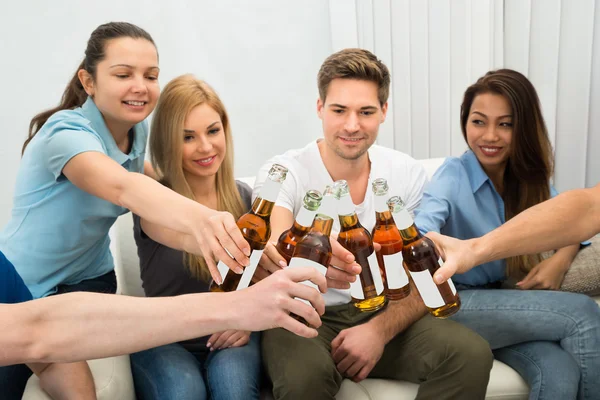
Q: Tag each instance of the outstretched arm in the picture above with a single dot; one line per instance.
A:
(569, 218)
(85, 326)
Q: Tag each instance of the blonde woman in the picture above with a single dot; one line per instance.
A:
(192, 153)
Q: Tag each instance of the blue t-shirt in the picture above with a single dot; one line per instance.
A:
(58, 234)
(461, 201)
(12, 288)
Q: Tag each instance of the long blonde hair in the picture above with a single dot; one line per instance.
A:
(176, 101)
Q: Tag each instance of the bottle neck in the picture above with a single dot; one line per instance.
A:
(262, 207)
(410, 234)
(347, 213)
(270, 190)
(380, 203)
(322, 226)
(406, 226)
(305, 218)
(383, 218)
(329, 206)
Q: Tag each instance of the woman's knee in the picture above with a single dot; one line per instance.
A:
(167, 372)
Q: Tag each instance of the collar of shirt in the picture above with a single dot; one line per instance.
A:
(476, 174)
(91, 112)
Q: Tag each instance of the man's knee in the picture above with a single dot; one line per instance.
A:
(313, 382)
(468, 354)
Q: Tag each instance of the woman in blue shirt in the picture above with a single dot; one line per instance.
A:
(551, 338)
(192, 152)
(83, 166)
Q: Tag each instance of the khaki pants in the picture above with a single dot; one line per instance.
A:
(448, 360)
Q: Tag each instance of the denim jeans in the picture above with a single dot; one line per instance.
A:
(13, 378)
(172, 372)
(551, 338)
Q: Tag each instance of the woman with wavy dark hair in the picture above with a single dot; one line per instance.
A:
(551, 338)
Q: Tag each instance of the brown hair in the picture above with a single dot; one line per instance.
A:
(355, 64)
(176, 101)
(530, 164)
(74, 95)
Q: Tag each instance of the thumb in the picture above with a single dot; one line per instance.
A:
(445, 272)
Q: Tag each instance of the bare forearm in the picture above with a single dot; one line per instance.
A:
(567, 255)
(66, 381)
(160, 205)
(83, 326)
(567, 219)
(399, 315)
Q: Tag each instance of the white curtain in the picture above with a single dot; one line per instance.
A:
(436, 48)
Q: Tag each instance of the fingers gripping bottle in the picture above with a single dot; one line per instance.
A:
(387, 235)
(422, 260)
(255, 226)
(289, 239)
(367, 291)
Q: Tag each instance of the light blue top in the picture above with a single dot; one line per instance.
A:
(461, 201)
(58, 234)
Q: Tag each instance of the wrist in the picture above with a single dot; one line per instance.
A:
(481, 251)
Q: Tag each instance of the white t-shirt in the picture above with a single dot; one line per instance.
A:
(406, 178)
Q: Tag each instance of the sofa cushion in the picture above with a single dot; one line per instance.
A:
(112, 377)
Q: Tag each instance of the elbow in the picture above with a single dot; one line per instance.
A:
(123, 189)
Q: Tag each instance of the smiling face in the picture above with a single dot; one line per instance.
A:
(351, 115)
(125, 88)
(204, 143)
(489, 131)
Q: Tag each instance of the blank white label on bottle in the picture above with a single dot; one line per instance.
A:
(374, 267)
(250, 269)
(305, 217)
(403, 219)
(427, 289)
(302, 262)
(356, 290)
(381, 204)
(270, 190)
(394, 271)
(223, 270)
(450, 283)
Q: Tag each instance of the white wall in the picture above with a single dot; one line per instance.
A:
(263, 57)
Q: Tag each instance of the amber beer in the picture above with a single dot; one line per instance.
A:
(255, 226)
(289, 239)
(314, 249)
(422, 260)
(367, 291)
(386, 233)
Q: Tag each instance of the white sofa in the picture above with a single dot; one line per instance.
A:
(113, 375)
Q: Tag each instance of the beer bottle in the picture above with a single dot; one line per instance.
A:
(256, 228)
(288, 239)
(314, 249)
(387, 235)
(367, 291)
(422, 260)
(329, 202)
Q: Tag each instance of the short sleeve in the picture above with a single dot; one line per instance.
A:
(436, 204)
(417, 184)
(65, 142)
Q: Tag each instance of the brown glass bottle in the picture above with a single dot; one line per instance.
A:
(422, 260)
(255, 226)
(314, 249)
(367, 291)
(289, 238)
(385, 232)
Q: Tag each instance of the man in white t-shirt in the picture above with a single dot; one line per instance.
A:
(399, 342)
